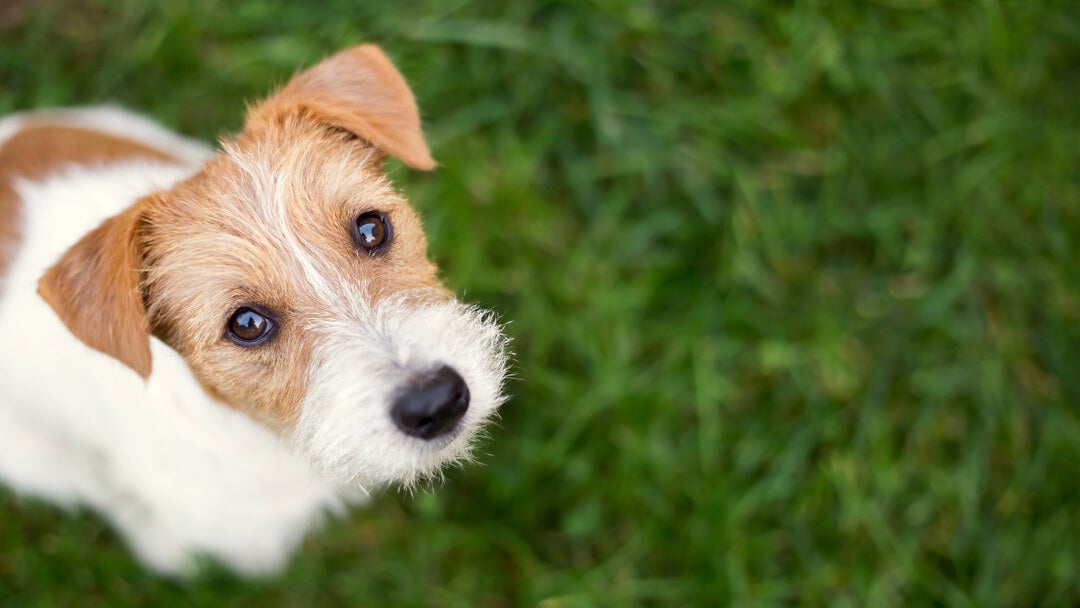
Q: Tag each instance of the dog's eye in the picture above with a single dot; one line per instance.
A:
(248, 327)
(372, 231)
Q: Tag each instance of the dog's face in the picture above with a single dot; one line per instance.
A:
(295, 282)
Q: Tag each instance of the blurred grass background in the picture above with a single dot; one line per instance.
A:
(794, 288)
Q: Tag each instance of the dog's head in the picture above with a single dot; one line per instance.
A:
(295, 282)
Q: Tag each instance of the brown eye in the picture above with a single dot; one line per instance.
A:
(372, 231)
(248, 327)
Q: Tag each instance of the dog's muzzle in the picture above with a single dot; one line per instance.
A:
(433, 405)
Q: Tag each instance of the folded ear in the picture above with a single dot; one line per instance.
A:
(358, 90)
(95, 290)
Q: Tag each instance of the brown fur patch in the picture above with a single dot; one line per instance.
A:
(39, 148)
(358, 90)
(95, 290)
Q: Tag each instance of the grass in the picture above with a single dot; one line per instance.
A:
(794, 288)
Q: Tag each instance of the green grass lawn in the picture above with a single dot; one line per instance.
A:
(794, 289)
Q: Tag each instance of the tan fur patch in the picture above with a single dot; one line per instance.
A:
(358, 90)
(94, 289)
(39, 148)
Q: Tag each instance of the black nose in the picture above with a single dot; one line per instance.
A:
(433, 405)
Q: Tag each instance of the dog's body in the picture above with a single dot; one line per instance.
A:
(126, 249)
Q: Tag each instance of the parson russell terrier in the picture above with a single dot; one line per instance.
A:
(214, 349)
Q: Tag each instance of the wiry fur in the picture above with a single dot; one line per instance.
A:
(223, 449)
(394, 341)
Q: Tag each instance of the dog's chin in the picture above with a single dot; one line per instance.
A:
(362, 446)
(389, 457)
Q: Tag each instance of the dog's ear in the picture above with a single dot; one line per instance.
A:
(95, 290)
(358, 90)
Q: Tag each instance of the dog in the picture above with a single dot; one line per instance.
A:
(215, 349)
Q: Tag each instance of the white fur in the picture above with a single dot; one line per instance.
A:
(366, 358)
(177, 472)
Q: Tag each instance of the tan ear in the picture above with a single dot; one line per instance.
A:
(358, 90)
(94, 288)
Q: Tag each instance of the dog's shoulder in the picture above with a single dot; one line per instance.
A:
(34, 145)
